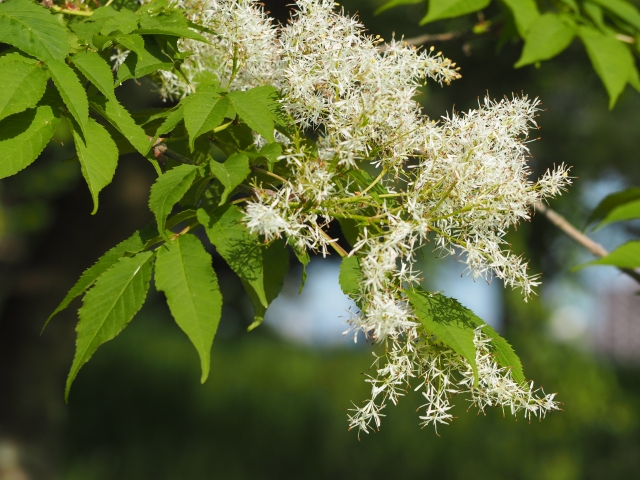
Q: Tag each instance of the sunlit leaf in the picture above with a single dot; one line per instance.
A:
(547, 36)
(185, 275)
(168, 189)
(118, 294)
(440, 9)
(625, 256)
(231, 173)
(22, 83)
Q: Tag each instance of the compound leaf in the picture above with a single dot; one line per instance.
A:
(33, 29)
(167, 190)
(231, 173)
(185, 275)
(98, 157)
(23, 137)
(23, 84)
(439, 9)
(118, 294)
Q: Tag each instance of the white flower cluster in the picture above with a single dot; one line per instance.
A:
(461, 182)
(441, 373)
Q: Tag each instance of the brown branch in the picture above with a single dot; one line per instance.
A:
(580, 238)
(428, 37)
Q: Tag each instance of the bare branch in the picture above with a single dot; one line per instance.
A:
(580, 238)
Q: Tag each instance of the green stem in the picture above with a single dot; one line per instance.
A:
(66, 11)
(270, 174)
(373, 184)
(334, 244)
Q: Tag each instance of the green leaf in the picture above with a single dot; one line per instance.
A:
(124, 21)
(271, 151)
(625, 11)
(98, 158)
(184, 273)
(167, 190)
(572, 4)
(33, 29)
(240, 248)
(255, 112)
(118, 294)
(525, 12)
(594, 12)
(173, 24)
(350, 276)
(625, 256)
(71, 91)
(505, 354)
(121, 119)
(133, 244)
(439, 9)
(174, 117)
(23, 84)
(395, 3)
(97, 71)
(612, 61)
(261, 268)
(231, 173)
(202, 113)
(143, 62)
(23, 137)
(303, 257)
(446, 319)
(614, 206)
(275, 259)
(547, 37)
(454, 325)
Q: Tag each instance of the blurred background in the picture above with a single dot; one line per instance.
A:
(275, 405)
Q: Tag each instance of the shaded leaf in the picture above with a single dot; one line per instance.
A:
(118, 294)
(133, 244)
(202, 113)
(271, 151)
(612, 61)
(98, 158)
(231, 173)
(124, 21)
(625, 256)
(33, 29)
(23, 137)
(439, 9)
(23, 84)
(167, 190)
(395, 3)
(173, 118)
(143, 62)
(240, 248)
(184, 273)
(454, 325)
(71, 91)
(547, 37)
(255, 111)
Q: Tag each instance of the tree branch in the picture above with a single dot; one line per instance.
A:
(580, 238)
